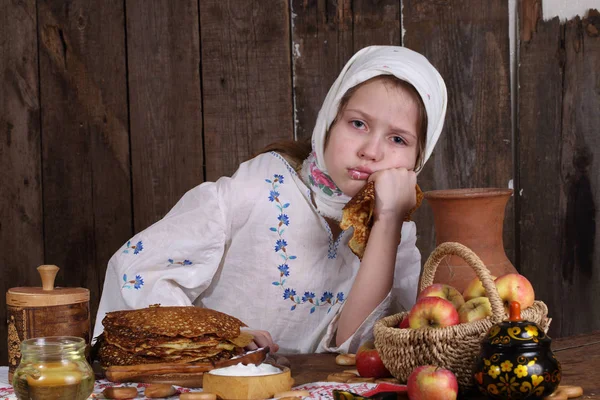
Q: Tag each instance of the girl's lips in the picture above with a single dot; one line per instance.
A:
(358, 175)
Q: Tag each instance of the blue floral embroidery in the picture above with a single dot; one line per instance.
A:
(137, 248)
(284, 219)
(288, 294)
(137, 283)
(280, 245)
(327, 299)
(333, 244)
(273, 195)
(184, 262)
(284, 269)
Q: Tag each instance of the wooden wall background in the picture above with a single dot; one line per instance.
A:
(111, 110)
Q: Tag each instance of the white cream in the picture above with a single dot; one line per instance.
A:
(246, 370)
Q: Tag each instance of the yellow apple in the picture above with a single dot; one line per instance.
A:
(432, 312)
(474, 289)
(475, 309)
(444, 291)
(515, 287)
(429, 382)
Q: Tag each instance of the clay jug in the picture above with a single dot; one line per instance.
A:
(474, 218)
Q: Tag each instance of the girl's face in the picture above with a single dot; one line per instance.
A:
(377, 130)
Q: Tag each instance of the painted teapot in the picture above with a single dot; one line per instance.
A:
(515, 360)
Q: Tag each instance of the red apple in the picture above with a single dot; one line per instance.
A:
(429, 382)
(445, 292)
(368, 362)
(474, 289)
(515, 287)
(404, 323)
(432, 312)
(475, 309)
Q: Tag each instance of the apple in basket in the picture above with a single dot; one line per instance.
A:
(368, 362)
(515, 287)
(474, 289)
(404, 323)
(475, 309)
(445, 292)
(433, 312)
(429, 382)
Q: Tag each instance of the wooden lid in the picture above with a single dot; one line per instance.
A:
(47, 295)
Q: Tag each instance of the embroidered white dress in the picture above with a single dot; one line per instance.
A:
(254, 246)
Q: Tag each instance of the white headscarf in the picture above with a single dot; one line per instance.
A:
(367, 63)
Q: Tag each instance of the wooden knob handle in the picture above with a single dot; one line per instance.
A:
(514, 311)
(48, 274)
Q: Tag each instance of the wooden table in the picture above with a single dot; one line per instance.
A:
(578, 355)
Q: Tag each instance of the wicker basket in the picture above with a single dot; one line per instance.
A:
(453, 347)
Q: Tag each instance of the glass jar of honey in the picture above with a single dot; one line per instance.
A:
(53, 367)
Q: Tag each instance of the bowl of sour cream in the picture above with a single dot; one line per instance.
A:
(247, 381)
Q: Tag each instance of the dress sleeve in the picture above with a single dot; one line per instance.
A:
(173, 261)
(401, 297)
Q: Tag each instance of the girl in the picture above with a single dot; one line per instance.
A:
(265, 245)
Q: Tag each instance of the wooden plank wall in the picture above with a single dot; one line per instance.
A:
(468, 42)
(21, 209)
(246, 76)
(325, 35)
(110, 111)
(559, 165)
(84, 148)
(165, 107)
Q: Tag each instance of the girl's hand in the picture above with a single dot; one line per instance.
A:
(395, 193)
(261, 339)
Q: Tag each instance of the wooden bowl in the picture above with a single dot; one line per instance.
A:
(248, 387)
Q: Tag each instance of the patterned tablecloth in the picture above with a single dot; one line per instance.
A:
(318, 390)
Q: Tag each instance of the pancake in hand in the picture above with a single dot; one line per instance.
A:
(358, 213)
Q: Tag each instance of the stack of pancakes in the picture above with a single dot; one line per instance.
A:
(179, 335)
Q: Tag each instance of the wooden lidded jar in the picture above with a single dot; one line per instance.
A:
(516, 360)
(45, 311)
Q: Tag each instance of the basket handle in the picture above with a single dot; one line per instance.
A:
(457, 249)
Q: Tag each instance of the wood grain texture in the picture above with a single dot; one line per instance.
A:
(246, 80)
(21, 228)
(67, 192)
(580, 171)
(248, 387)
(541, 61)
(579, 357)
(467, 41)
(86, 168)
(325, 34)
(163, 52)
(559, 152)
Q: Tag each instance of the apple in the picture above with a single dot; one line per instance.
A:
(475, 309)
(515, 287)
(474, 289)
(445, 292)
(368, 362)
(433, 312)
(429, 382)
(404, 323)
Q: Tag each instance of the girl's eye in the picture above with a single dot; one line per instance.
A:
(358, 124)
(398, 140)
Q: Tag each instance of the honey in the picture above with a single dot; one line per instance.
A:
(53, 368)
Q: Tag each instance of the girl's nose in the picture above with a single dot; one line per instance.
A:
(370, 150)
